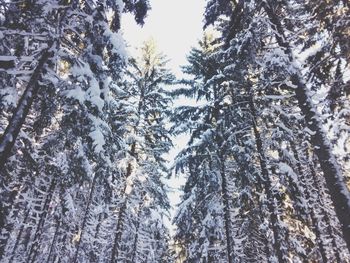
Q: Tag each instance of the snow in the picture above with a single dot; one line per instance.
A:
(311, 51)
(98, 140)
(96, 134)
(77, 93)
(285, 168)
(307, 130)
(8, 96)
(7, 58)
(278, 97)
(120, 5)
(85, 86)
(118, 43)
(69, 203)
(93, 94)
(82, 70)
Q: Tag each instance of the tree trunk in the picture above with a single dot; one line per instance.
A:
(93, 253)
(118, 233)
(36, 241)
(121, 214)
(54, 241)
(324, 213)
(335, 181)
(86, 215)
(310, 210)
(134, 251)
(267, 184)
(18, 238)
(227, 218)
(13, 128)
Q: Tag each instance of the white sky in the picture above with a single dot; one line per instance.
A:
(176, 26)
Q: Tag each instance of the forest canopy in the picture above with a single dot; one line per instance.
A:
(86, 128)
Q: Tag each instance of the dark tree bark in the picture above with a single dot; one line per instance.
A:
(136, 239)
(324, 213)
(18, 238)
(19, 116)
(94, 252)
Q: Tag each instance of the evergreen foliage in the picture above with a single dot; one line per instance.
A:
(85, 128)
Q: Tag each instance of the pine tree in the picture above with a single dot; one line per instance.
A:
(147, 140)
(275, 174)
(206, 203)
(63, 120)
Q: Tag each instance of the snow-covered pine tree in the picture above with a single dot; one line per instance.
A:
(25, 42)
(205, 222)
(140, 230)
(244, 16)
(61, 156)
(255, 57)
(334, 177)
(326, 56)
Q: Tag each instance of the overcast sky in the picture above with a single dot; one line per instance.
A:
(176, 26)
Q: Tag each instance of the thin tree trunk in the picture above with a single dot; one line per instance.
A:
(118, 233)
(227, 218)
(86, 215)
(54, 241)
(335, 181)
(121, 214)
(310, 210)
(36, 241)
(267, 184)
(93, 255)
(13, 128)
(134, 251)
(19, 236)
